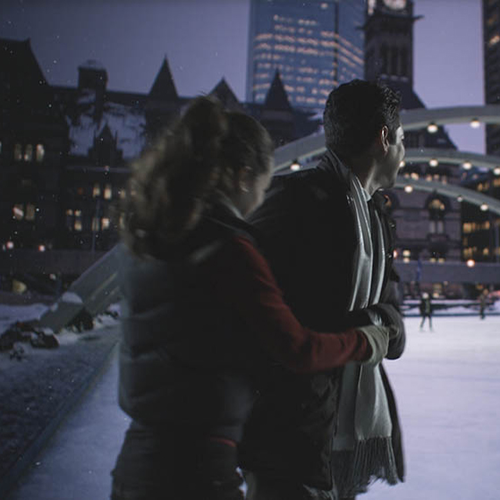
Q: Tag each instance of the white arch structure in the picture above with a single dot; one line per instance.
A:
(415, 119)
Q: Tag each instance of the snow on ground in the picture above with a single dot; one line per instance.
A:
(447, 386)
(9, 314)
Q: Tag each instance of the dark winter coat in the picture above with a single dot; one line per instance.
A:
(194, 319)
(308, 237)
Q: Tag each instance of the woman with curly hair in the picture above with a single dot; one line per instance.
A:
(202, 316)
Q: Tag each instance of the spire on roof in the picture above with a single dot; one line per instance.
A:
(277, 97)
(163, 88)
(226, 96)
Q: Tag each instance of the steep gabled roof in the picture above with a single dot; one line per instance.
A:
(226, 96)
(277, 98)
(28, 87)
(163, 88)
(106, 135)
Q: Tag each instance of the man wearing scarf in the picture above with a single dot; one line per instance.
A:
(330, 243)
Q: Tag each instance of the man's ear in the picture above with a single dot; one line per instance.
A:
(384, 138)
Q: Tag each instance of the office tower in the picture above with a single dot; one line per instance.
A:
(428, 224)
(491, 34)
(480, 229)
(315, 46)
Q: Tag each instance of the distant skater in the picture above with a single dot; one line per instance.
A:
(426, 309)
(483, 299)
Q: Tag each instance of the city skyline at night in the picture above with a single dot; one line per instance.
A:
(205, 41)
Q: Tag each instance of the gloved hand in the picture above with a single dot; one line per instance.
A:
(378, 337)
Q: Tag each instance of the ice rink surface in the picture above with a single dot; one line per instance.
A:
(447, 386)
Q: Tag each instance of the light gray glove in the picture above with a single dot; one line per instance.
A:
(378, 337)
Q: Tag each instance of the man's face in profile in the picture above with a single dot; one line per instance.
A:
(393, 159)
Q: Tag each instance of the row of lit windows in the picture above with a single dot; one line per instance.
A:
(74, 221)
(471, 252)
(308, 69)
(24, 211)
(105, 191)
(281, 19)
(472, 227)
(484, 186)
(268, 55)
(28, 153)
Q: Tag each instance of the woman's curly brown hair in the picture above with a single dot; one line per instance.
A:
(171, 184)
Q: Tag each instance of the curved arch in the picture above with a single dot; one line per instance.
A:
(414, 119)
(452, 191)
(452, 156)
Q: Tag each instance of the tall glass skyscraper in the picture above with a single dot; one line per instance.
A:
(491, 33)
(315, 45)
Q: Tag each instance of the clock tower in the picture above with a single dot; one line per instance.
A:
(389, 41)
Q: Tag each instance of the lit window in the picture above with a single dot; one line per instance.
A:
(494, 40)
(18, 152)
(105, 223)
(108, 192)
(9, 245)
(406, 253)
(40, 153)
(78, 221)
(97, 190)
(18, 211)
(28, 152)
(436, 204)
(30, 211)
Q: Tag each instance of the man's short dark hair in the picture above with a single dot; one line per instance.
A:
(354, 114)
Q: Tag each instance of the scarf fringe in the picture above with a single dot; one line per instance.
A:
(371, 460)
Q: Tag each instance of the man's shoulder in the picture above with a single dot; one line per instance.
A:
(315, 184)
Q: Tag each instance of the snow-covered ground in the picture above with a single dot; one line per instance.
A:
(9, 314)
(447, 386)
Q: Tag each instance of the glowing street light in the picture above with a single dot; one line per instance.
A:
(402, 164)
(432, 128)
(295, 165)
(484, 207)
(466, 165)
(496, 170)
(460, 198)
(475, 123)
(408, 188)
(471, 263)
(433, 162)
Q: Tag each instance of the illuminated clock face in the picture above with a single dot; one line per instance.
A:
(395, 4)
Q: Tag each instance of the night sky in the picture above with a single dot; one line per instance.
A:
(206, 40)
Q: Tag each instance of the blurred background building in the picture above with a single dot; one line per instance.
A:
(65, 150)
(480, 230)
(315, 46)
